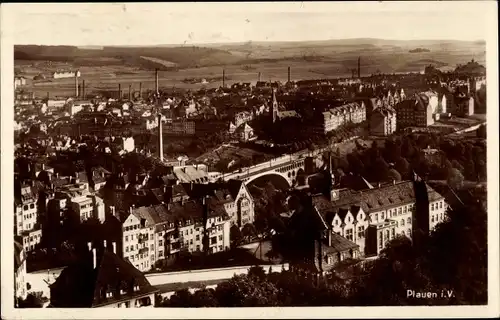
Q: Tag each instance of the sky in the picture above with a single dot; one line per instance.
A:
(198, 23)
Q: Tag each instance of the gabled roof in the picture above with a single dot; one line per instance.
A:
(80, 285)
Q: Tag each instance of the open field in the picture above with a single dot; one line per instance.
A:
(104, 69)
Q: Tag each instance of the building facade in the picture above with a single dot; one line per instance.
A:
(384, 212)
(332, 119)
(383, 121)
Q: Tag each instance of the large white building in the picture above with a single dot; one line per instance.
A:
(377, 215)
(66, 74)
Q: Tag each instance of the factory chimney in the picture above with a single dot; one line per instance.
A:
(76, 85)
(156, 81)
(223, 78)
(119, 91)
(288, 74)
(129, 92)
(160, 137)
(140, 90)
(359, 67)
(83, 89)
(259, 76)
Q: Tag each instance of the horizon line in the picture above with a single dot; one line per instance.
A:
(256, 41)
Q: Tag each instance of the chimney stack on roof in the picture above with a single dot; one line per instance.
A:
(288, 74)
(156, 81)
(114, 247)
(129, 92)
(223, 78)
(94, 255)
(119, 91)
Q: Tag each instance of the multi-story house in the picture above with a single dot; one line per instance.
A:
(350, 113)
(383, 121)
(416, 112)
(30, 239)
(26, 210)
(161, 232)
(233, 195)
(388, 209)
(463, 105)
(181, 127)
(20, 289)
(101, 279)
(85, 204)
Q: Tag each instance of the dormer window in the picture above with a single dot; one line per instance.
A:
(109, 294)
(122, 291)
(136, 288)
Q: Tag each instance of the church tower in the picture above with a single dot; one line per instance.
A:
(274, 107)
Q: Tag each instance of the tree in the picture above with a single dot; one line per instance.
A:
(402, 166)
(248, 230)
(394, 175)
(33, 300)
(204, 298)
(181, 299)
(235, 235)
(455, 178)
(257, 272)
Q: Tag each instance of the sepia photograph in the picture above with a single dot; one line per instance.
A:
(177, 156)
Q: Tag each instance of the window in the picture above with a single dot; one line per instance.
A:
(399, 211)
(409, 220)
(404, 209)
(152, 247)
(409, 232)
(402, 222)
(220, 238)
(191, 231)
(361, 232)
(197, 247)
(382, 216)
(160, 253)
(387, 235)
(348, 234)
(126, 238)
(126, 249)
(25, 207)
(32, 206)
(376, 216)
(441, 205)
(432, 207)
(132, 238)
(160, 243)
(432, 218)
(197, 237)
(191, 241)
(180, 233)
(393, 233)
(220, 248)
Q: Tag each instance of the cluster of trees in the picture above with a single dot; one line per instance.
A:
(451, 261)
(454, 161)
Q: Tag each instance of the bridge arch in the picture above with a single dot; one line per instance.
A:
(279, 180)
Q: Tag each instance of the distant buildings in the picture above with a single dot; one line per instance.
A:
(179, 127)
(19, 81)
(66, 74)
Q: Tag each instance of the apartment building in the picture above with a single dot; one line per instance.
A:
(160, 232)
(26, 209)
(232, 195)
(85, 204)
(383, 121)
(180, 127)
(20, 287)
(375, 216)
(415, 112)
(332, 119)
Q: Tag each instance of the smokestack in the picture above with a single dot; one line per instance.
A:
(359, 67)
(94, 253)
(114, 247)
(119, 91)
(129, 92)
(156, 81)
(259, 76)
(48, 96)
(288, 74)
(83, 89)
(223, 78)
(140, 90)
(76, 85)
(160, 138)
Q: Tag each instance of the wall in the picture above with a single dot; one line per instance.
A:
(206, 274)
